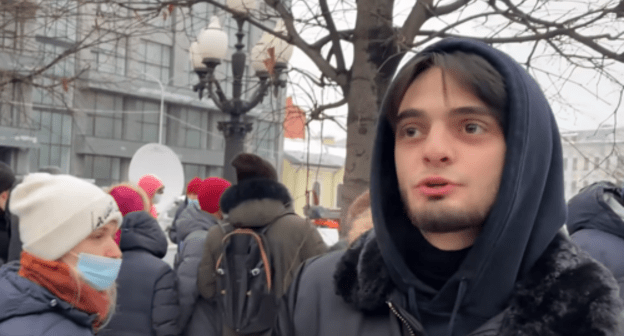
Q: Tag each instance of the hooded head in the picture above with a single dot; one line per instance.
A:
(129, 198)
(151, 185)
(57, 212)
(192, 188)
(250, 166)
(210, 192)
(7, 179)
(518, 194)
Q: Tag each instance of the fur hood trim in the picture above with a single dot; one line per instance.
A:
(255, 202)
(566, 292)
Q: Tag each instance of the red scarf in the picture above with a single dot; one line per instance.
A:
(56, 277)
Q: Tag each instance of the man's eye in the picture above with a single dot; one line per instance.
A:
(473, 128)
(410, 132)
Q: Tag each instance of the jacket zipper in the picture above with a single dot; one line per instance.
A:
(401, 318)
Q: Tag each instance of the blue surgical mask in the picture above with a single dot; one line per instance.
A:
(193, 202)
(100, 272)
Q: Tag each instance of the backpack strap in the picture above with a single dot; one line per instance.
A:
(253, 234)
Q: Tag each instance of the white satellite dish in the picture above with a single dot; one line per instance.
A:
(161, 161)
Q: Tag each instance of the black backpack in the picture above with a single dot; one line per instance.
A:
(244, 281)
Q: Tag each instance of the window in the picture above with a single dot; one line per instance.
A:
(105, 116)
(12, 24)
(596, 162)
(187, 128)
(565, 164)
(105, 170)
(265, 138)
(141, 120)
(49, 49)
(574, 187)
(54, 136)
(110, 56)
(339, 196)
(574, 164)
(57, 19)
(586, 165)
(155, 59)
(201, 171)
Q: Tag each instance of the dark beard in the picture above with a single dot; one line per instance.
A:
(443, 220)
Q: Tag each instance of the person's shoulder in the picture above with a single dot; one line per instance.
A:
(47, 323)
(320, 269)
(576, 283)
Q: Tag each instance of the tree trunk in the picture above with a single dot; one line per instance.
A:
(373, 42)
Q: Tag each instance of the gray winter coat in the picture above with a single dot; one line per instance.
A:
(29, 309)
(187, 262)
(147, 295)
(191, 219)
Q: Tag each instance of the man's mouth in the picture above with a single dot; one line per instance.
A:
(435, 187)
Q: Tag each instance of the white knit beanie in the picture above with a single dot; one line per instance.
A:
(56, 212)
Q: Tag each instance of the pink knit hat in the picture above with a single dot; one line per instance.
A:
(193, 185)
(128, 199)
(210, 192)
(150, 183)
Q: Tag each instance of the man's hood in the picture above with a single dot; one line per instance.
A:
(527, 213)
(141, 231)
(597, 207)
(191, 219)
(20, 296)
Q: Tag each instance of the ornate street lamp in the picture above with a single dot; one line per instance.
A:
(206, 54)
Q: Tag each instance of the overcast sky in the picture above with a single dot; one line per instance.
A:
(578, 108)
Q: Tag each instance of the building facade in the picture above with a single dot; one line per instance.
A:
(90, 111)
(592, 155)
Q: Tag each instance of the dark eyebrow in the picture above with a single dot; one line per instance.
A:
(464, 110)
(474, 110)
(409, 113)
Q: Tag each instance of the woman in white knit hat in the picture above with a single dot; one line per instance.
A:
(64, 283)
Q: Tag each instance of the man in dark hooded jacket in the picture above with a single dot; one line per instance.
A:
(595, 223)
(468, 202)
(8, 222)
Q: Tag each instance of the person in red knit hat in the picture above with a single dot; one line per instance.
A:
(129, 198)
(154, 188)
(191, 233)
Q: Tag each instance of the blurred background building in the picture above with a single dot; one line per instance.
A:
(592, 155)
(88, 113)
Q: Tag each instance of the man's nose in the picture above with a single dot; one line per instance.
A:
(438, 147)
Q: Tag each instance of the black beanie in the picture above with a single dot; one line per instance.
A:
(252, 166)
(7, 178)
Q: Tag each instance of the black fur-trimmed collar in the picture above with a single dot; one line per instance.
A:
(254, 189)
(566, 292)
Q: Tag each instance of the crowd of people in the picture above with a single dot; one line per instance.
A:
(462, 232)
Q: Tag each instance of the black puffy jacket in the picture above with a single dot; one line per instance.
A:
(595, 223)
(147, 295)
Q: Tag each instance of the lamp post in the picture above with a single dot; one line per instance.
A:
(206, 54)
(162, 105)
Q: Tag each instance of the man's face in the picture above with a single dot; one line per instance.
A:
(449, 155)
